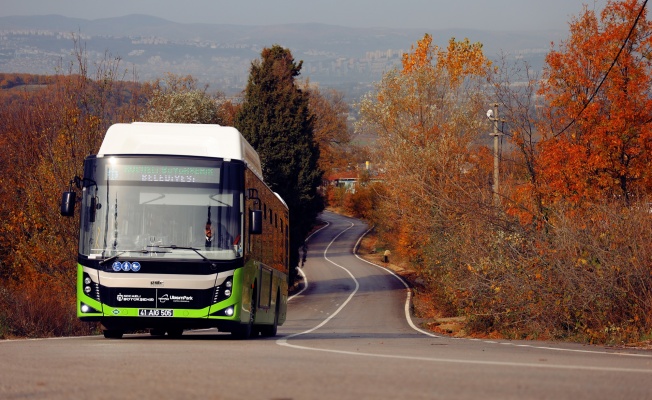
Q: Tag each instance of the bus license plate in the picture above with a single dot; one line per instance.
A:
(155, 313)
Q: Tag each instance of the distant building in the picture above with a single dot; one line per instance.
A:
(346, 180)
(349, 180)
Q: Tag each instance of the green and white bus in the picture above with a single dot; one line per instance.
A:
(179, 231)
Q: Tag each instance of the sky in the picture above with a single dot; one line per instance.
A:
(496, 15)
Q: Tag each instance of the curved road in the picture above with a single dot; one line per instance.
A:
(347, 336)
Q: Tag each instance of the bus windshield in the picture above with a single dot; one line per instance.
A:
(163, 207)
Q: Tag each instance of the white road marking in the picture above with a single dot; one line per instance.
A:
(407, 287)
(284, 341)
(305, 278)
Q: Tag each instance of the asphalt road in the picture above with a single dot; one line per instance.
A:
(347, 336)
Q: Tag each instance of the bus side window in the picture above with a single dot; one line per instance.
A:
(256, 222)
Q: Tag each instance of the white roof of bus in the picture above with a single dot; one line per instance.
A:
(203, 140)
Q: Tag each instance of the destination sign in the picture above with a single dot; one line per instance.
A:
(163, 173)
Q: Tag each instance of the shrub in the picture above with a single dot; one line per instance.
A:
(42, 307)
(587, 277)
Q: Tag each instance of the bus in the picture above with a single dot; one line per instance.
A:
(179, 231)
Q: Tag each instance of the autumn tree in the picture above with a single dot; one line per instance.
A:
(597, 84)
(45, 136)
(275, 118)
(580, 172)
(227, 111)
(329, 112)
(427, 116)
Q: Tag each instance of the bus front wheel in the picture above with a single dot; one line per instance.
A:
(175, 333)
(112, 334)
(245, 331)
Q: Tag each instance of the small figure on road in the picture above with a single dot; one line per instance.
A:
(386, 256)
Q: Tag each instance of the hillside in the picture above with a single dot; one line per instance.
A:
(346, 58)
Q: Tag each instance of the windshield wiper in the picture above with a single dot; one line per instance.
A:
(145, 251)
(113, 257)
(175, 247)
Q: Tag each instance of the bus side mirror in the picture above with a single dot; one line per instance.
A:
(68, 204)
(256, 222)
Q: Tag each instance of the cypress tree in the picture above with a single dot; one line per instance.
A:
(275, 119)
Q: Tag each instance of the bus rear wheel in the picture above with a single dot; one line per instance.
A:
(270, 330)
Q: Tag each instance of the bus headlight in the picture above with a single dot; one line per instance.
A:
(89, 287)
(224, 290)
(85, 309)
(229, 311)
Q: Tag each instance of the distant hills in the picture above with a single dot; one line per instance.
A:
(345, 58)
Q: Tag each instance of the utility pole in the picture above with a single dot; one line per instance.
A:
(492, 114)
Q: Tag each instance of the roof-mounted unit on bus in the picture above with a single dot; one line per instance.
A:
(201, 140)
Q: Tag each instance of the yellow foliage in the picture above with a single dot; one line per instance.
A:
(459, 60)
(462, 59)
(420, 57)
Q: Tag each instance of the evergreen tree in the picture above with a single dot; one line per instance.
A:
(275, 119)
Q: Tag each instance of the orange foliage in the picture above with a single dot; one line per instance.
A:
(421, 56)
(599, 148)
(228, 110)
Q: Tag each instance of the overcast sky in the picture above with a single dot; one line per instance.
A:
(426, 14)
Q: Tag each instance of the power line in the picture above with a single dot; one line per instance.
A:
(604, 78)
